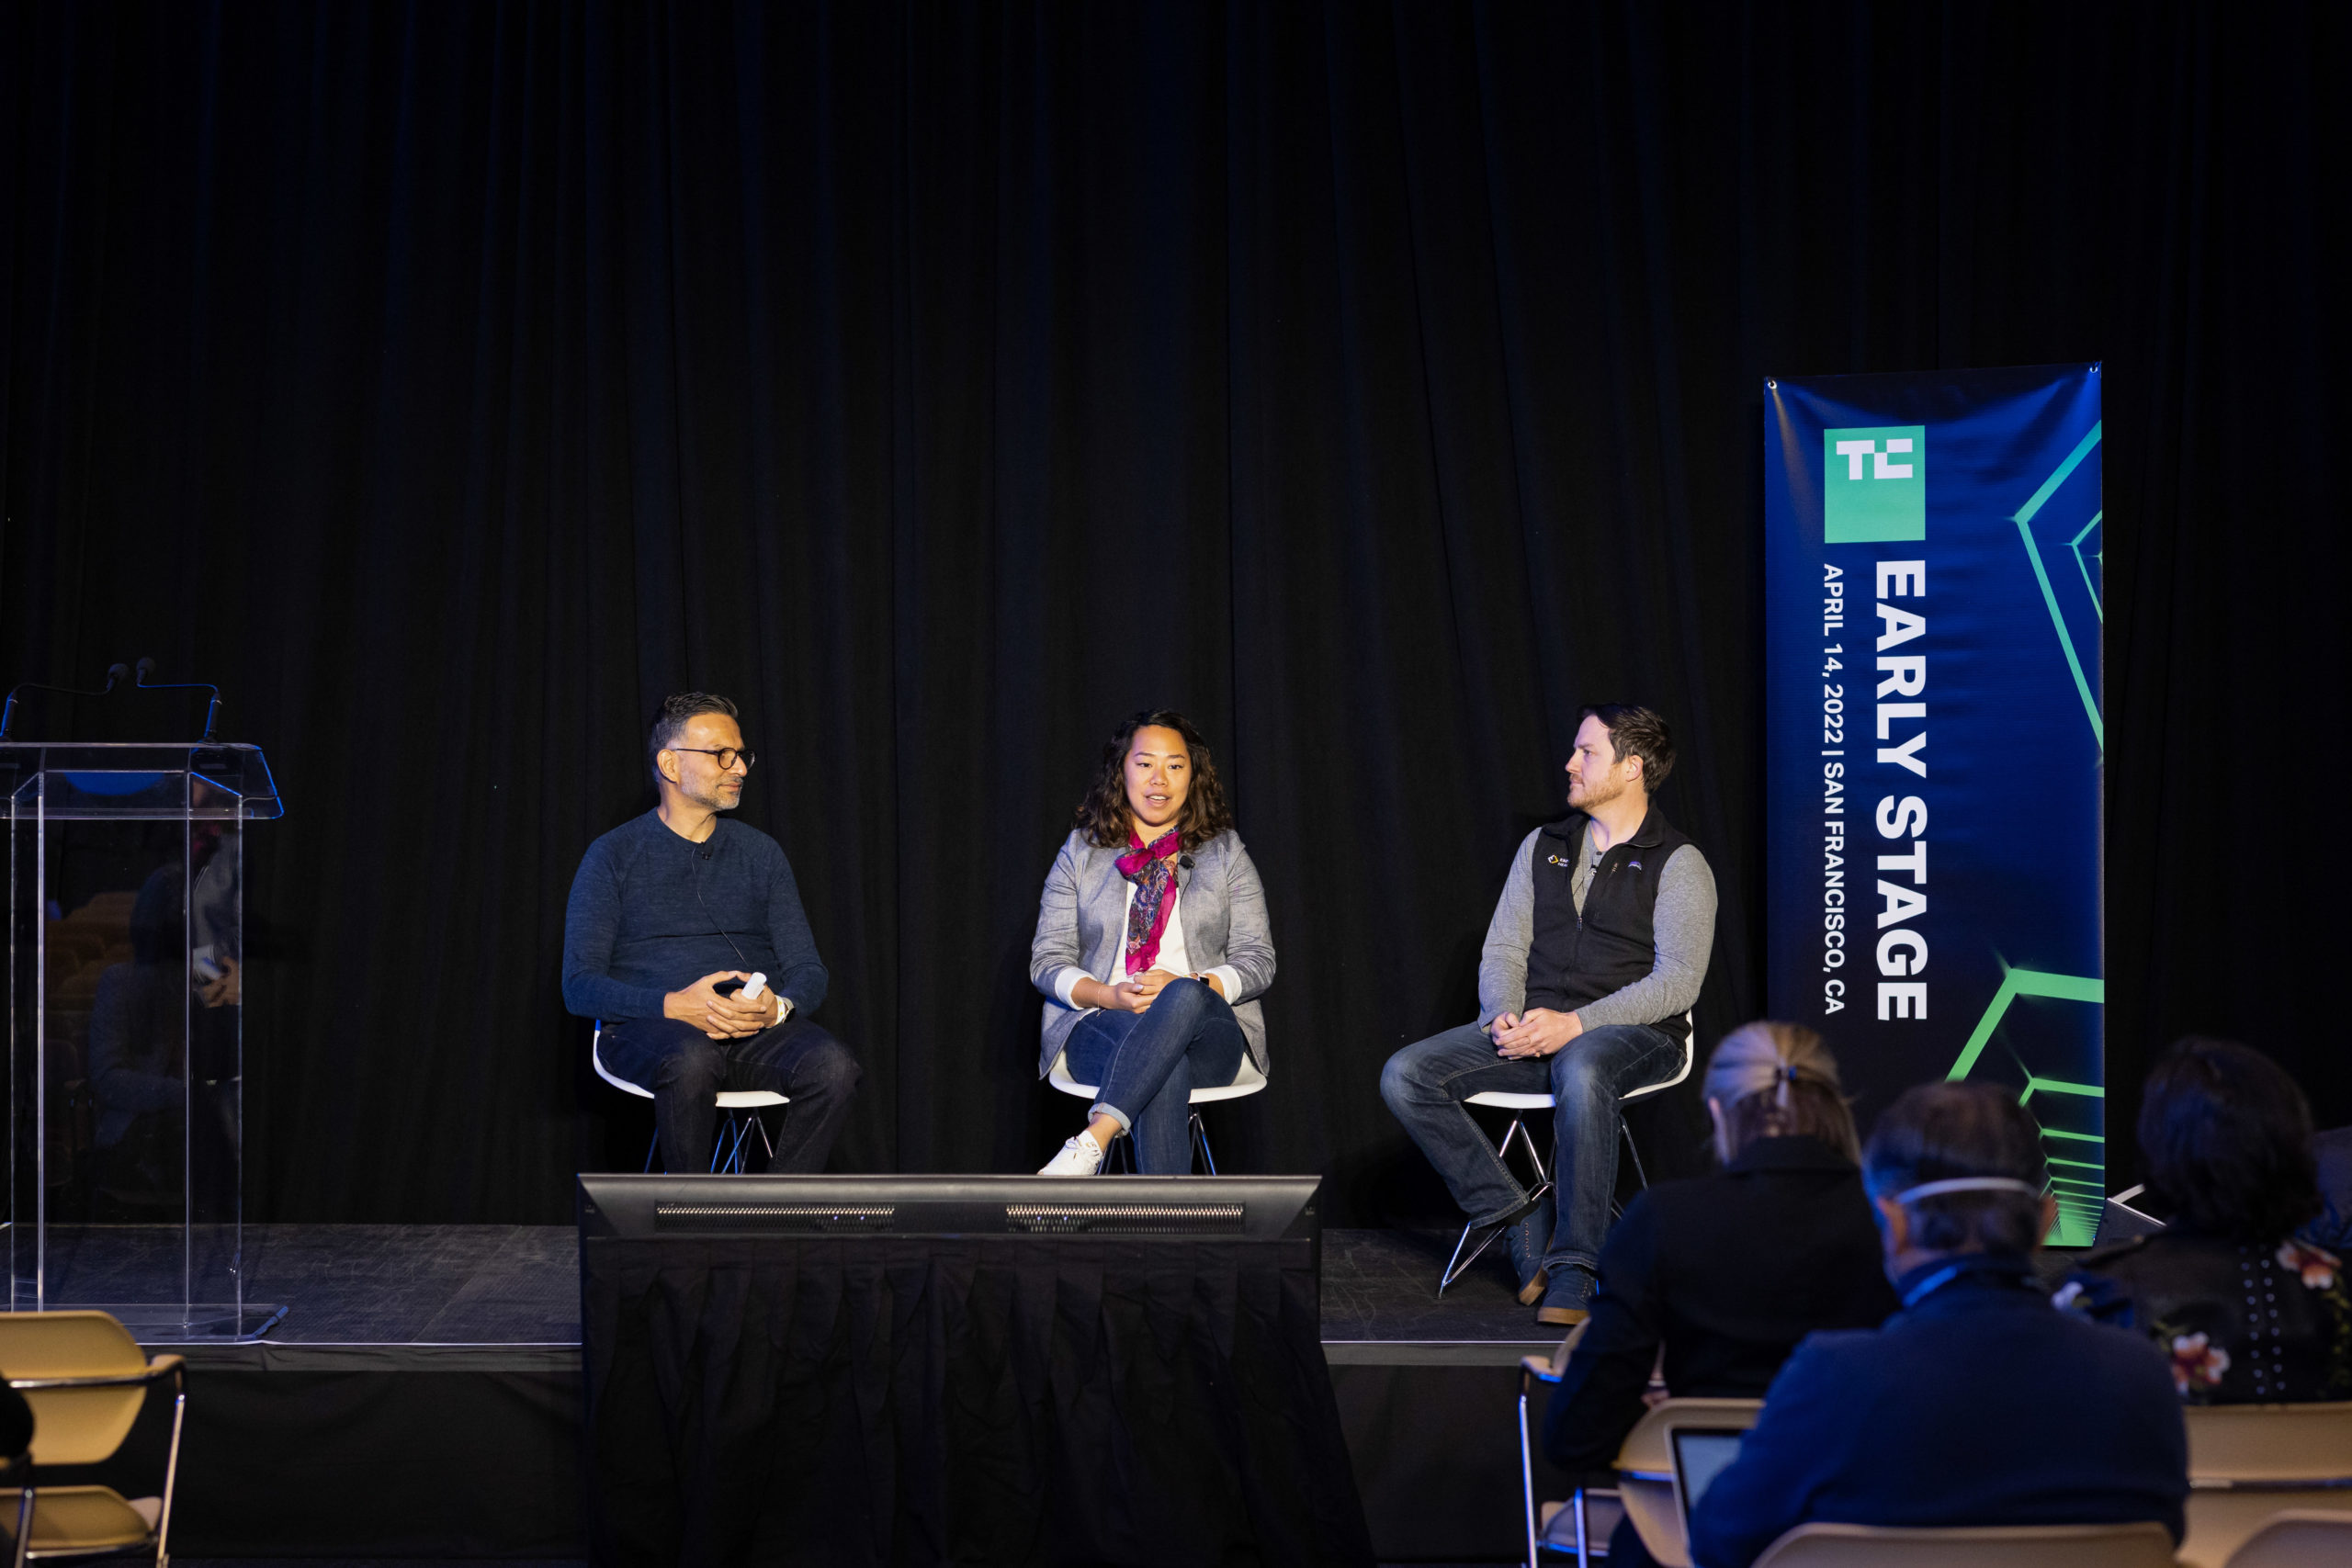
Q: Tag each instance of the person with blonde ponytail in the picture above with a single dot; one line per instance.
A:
(1727, 1273)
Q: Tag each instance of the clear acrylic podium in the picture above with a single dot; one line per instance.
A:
(125, 953)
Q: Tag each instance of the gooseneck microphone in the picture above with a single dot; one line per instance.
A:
(8, 710)
(147, 667)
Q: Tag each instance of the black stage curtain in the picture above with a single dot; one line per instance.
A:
(1375, 382)
(873, 1401)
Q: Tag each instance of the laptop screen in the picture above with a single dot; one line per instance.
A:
(1701, 1454)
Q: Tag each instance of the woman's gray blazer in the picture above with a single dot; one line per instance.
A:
(1082, 922)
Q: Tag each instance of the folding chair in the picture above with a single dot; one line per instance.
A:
(2299, 1538)
(87, 1380)
(2142, 1545)
(1645, 1489)
(2248, 1462)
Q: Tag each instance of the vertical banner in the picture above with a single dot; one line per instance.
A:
(1934, 741)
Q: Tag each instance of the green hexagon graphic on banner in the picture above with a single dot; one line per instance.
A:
(2072, 1116)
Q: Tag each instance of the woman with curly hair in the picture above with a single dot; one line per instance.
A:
(2245, 1311)
(1151, 947)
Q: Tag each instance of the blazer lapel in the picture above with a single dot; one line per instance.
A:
(1108, 899)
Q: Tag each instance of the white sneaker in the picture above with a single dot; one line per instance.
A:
(1080, 1155)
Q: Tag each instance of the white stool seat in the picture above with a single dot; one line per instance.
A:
(729, 1098)
(739, 1109)
(1248, 1080)
(1501, 1101)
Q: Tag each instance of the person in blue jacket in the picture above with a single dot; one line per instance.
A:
(1979, 1402)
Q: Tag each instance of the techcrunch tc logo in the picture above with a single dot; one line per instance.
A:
(1874, 484)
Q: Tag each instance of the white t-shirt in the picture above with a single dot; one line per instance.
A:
(1172, 955)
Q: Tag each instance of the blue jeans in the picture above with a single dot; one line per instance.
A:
(686, 1069)
(1148, 1064)
(1426, 1083)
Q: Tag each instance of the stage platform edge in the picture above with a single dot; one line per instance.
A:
(319, 1442)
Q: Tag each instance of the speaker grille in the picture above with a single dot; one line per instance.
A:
(1131, 1219)
(772, 1217)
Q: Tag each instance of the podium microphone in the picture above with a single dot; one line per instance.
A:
(8, 710)
(147, 667)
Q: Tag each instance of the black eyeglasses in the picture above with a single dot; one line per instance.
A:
(726, 755)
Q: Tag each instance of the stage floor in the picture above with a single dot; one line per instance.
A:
(518, 1286)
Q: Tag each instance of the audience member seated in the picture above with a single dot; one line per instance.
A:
(1979, 1402)
(1729, 1272)
(2245, 1311)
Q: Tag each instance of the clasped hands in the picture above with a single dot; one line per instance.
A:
(721, 1017)
(1136, 992)
(1538, 1032)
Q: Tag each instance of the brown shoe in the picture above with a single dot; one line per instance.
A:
(1561, 1317)
(1533, 1291)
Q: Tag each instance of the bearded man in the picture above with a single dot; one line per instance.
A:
(1591, 963)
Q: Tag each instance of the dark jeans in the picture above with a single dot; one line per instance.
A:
(686, 1069)
(1426, 1083)
(1147, 1064)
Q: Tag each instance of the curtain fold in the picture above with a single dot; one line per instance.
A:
(873, 1401)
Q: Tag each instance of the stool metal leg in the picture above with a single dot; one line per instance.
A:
(1526, 1473)
(1641, 1177)
(1633, 1148)
(1201, 1142)
(727, 1158)
(1456, 1267)
(1519, 1126)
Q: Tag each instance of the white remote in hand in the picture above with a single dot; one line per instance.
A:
(752, 988)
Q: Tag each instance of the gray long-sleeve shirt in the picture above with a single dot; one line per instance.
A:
(1683, 921)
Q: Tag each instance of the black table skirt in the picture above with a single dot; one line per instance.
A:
(1034, 1400)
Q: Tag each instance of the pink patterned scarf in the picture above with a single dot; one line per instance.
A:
(1152, 868)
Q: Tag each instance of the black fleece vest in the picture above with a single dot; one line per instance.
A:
(1575, 959)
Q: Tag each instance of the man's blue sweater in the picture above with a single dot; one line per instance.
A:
(1980, 1403)
(652, 913)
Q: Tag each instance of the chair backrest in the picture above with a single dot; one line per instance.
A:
(2248, 1462)
(1689, 1054)
(596, 1060)
(2299, 1538)
(2143, 1545)
(1648, 1448)
(73, 1426)
(1645, 1469)
(2269, 1442)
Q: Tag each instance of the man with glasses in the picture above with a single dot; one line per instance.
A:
(671, 916)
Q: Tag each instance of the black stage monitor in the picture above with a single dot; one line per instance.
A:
(1070, 1333)
(1244, 1208)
